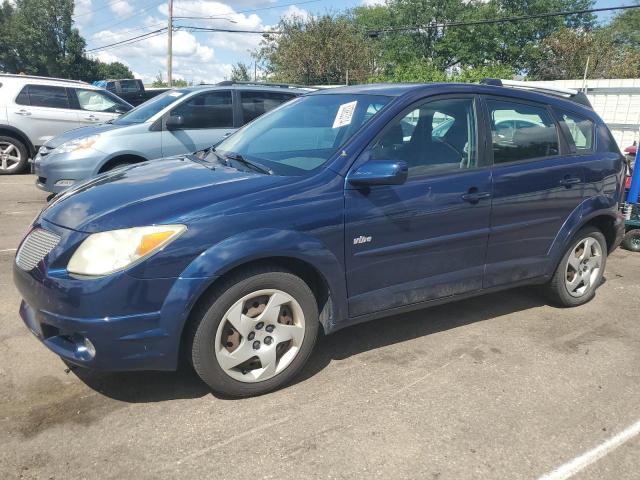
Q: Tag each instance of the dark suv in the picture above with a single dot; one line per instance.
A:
(335, 208)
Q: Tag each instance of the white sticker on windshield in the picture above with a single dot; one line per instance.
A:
(345, 114)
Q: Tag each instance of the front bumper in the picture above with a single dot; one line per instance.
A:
(56, 173)
(133, 324)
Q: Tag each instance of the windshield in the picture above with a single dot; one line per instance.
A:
(148, 109)
(303, 134)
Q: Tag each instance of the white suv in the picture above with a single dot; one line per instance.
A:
(35, 109)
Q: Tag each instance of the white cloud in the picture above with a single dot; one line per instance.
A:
(373, 3)
(122, 8)
(83, 12)
(295, 12)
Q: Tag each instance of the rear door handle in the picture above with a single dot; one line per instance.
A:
(475, 196)
(91, 117)
(23, 112)
(568, 181)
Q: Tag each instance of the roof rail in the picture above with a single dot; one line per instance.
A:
(36, 77)
(227, 83)
(568, 93)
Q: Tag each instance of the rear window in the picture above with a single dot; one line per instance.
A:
(129, 86)
(43, 96)
(581, 130)
(521, 131)
(255, 104)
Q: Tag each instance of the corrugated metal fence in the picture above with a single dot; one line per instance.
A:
(617, 101)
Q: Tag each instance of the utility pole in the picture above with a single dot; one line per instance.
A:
(169, 43)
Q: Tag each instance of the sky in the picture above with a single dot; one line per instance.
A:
(202, 56)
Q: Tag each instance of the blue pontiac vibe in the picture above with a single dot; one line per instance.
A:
(335, 208)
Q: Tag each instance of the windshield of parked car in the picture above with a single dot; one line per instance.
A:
(303, 134)
(148, 109)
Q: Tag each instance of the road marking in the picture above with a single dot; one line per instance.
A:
(578, 464)
(6, 250)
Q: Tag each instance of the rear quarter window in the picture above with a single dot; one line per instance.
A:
(581, 131)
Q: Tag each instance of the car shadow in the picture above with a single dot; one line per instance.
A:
(141, 387)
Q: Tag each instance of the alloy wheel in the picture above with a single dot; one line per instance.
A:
(260, 335)
(583, 267)
(10, 156)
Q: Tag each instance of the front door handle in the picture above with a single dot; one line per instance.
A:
(23, 112)
(474, 196)
(568, 181)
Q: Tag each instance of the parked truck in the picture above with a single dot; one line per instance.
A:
(130, 89)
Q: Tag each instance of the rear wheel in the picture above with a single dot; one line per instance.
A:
(580, 271)
(631, 240)
(13, 156)
(256, 333)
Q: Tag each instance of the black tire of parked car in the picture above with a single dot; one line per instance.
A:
(204, 321)
(631, 240)
(556, 288)
(24, 155)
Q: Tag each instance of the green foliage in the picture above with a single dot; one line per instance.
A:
(566, 53)
(160, 83)
(625, 28)
(240, 72)
(37, 37)
(317, 51)
(423, 71)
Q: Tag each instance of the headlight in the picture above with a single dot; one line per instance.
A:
(107, 252)
(77, 144)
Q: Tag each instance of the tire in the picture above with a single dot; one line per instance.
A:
(229, 359)
(575, 283)
(13, 156)
(631, 240)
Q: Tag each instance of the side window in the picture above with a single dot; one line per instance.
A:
(255, 104)
(581, 130)
(521, 132)
(23, 96)
(46, 96)
(207, 110)
(436, 136)
(94, 101)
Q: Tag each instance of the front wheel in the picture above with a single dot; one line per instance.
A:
(580, 271)
(255, 334)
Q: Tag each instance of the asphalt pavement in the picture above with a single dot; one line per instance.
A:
(497, 387)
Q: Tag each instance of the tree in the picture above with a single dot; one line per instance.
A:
(566, 53)
(38, 37)
(240, 72)
(175, 82)
(625, 28)
(317, 50)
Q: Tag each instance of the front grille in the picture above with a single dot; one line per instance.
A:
(35, 247)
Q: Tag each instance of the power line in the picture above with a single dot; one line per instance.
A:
(138, 38)
(497, 20)
(193, 28)
(153, 3)
(252, 9)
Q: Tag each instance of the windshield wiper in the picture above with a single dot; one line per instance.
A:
(249, 163)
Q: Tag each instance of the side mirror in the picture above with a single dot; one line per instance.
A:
(121, 109)
(175, 122)
(380, 172)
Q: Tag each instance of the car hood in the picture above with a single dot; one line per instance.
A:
(175, 190)
(81, 132)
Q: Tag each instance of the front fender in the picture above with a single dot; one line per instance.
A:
(261, 244)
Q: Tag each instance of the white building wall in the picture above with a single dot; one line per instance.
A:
(617, 101)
